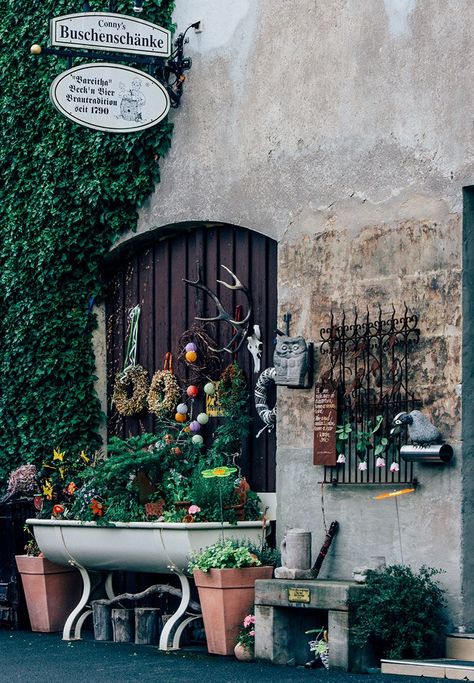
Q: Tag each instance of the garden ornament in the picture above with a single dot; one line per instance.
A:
(420, 430)
(254, 345)
(290, 360)
(240, 327)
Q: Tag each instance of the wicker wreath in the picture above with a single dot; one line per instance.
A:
(164, 393)
(136, 379)
(267, 415)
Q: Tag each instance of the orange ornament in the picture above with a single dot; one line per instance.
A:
(179, 417)
(191, 356)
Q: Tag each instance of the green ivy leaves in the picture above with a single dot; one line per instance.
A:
(66, 193)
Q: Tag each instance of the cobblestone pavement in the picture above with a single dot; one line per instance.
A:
(44, 658)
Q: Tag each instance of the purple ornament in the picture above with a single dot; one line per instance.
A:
(190, 347)
(194, 426)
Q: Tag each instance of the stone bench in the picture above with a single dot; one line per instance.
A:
(285, 609)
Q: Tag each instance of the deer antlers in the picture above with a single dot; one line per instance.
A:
(240, 326)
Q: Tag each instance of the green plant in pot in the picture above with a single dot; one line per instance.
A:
(401, 612)
(225, 575)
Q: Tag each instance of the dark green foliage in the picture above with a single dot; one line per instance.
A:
(66, 193)
(401, 612)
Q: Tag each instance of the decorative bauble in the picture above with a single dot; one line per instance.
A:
(209, 389)
(197, 440)
(182, 408)
(192, 391)
(191, 356)
(35, 49)
(194, 426)
(203, 418)
(190, 347)
(179, 417)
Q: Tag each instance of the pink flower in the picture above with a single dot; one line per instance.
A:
(251, 633)
(341, 459)
(362, 466)
(394, 467)
(193, 509)
(249, 620)
(380, 462)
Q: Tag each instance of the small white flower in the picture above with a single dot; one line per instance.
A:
(341, 459)
(362, 466)
(380, 462)
(394, 467)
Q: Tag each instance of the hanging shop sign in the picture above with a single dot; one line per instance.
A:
(110, 32)
(110, 97)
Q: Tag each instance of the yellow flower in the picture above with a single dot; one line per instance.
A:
(58, 455)
(48, 489)
(83, 455)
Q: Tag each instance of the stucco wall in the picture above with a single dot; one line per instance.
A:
(344, 130)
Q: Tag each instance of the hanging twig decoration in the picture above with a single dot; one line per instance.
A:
(240, 327)
(208, 365)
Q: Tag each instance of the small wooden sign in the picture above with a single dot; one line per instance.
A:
(325, 419)
(299, 595)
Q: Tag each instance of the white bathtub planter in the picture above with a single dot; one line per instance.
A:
(135, 546)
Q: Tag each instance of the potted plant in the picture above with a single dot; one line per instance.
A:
(225, 575)
(320, 646)
(245, 646)
(401, 613)
(51, 591)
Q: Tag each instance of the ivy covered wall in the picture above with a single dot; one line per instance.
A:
(66, 193)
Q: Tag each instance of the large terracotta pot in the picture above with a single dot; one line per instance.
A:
(51, 591)
(226, 597)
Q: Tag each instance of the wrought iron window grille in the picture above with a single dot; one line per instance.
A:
(368, 362)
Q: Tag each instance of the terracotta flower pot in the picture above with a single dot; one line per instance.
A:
(226, 597)
(51, 591)
(243, 654)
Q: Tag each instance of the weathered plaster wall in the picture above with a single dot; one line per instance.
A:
(345, 131)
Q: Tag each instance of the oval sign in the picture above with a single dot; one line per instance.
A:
(110, 97)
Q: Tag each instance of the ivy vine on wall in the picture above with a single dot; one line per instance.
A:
(66, 193)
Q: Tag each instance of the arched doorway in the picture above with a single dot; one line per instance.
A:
(149, 271)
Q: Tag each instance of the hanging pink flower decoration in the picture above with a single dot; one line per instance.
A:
(362, 466)
(341, 460)
(394, 467)
(380, 462)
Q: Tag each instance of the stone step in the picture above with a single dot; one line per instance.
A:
(460, 646)
(454, 669)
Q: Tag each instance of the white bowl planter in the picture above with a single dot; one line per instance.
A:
(135, 546)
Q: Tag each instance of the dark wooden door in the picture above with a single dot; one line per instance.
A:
(150, 272)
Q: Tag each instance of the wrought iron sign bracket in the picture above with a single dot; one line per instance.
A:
(168, 71)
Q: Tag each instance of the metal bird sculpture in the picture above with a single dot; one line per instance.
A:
(420, 430)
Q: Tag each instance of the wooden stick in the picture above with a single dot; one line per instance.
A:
(333, 529)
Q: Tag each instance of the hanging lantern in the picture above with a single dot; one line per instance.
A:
(192, 391)
(179, 417)
(197, 440)
(182, 408)
(190, 347)
(194, 426)
(203, 418)
(191, 356)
